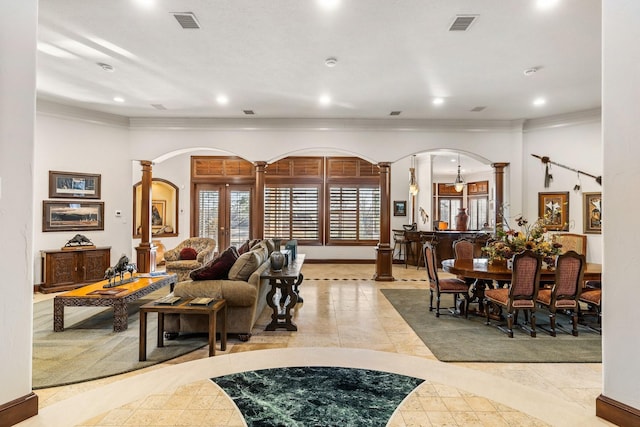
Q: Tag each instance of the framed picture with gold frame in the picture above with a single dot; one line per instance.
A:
(592, 213)
(553, 209)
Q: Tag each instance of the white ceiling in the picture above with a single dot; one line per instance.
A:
(269, 57)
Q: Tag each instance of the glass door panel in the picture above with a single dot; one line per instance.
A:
(239, 202)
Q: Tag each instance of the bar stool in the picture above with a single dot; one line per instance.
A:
(402, 245)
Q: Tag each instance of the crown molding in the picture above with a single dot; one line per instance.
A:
(561, 120)
(306, 124)
(56, 109)
(64, 111)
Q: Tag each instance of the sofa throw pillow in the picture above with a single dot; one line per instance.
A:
(262, 251)
(244, 247)
(188, 254)
(218, 268)
(244, 266)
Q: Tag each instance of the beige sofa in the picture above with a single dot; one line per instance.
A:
(245, 303)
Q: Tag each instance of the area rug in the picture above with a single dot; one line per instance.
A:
(317, 396)
(456, 339)
(88, 348)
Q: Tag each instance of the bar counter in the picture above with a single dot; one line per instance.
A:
(443, 241)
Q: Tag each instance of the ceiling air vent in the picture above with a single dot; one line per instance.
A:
(186, 20)
(248, 112)
(159, 106)
(395, 113)
(478, 109)
(462, 22)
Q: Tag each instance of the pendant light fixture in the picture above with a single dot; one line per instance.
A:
(459, 182)
(413, 183)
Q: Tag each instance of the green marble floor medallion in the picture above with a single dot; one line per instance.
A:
(317, 396)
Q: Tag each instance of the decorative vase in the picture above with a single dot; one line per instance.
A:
(461, 220)
(276, 258)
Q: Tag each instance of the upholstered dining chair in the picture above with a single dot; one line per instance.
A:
(439, 286)
(566, 289)
(520, 295)
(591, 296)
(463, 249)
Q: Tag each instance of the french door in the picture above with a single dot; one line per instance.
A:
(223, 212)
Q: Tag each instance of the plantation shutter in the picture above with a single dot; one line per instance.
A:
(354, 213)
(292, 212)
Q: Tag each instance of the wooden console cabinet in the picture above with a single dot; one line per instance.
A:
(69, 269)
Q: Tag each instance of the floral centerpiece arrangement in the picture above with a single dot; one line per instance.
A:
(533, 237)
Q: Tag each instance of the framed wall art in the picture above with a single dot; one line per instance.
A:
(553, 209)
(592, 213)
(72, 216)
(73, 185)
(399, 208)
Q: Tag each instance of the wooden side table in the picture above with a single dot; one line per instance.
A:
(287, 281)
(215, 308)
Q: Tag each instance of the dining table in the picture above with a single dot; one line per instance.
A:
(486, 273)
(480, 268)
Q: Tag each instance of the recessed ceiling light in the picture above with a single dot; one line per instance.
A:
(329, 4)
(539, 102)
(438, 101)
(325, 100)
(118, 99)
(546, 4)
(222, 99)
(146, 3)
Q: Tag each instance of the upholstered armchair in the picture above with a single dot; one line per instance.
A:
(189, 255)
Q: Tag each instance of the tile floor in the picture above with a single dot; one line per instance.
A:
(341, 323)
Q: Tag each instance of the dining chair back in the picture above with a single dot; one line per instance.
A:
(520, 295)
(439, 286)
(565, 292)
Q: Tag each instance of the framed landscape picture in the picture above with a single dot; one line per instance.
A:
(553, 209)
(399, 208)
(592, 213)
(71, 216)
(73, 185)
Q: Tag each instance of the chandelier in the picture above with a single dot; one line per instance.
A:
(459, 182)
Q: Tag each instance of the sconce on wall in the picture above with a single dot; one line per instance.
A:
(413, 183)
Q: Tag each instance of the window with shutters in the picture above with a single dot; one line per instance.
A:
(353, 201)
(292, 212)
(354, 214)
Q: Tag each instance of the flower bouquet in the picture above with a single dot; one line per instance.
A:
(533, 237)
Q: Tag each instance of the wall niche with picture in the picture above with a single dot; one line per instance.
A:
(164, 205)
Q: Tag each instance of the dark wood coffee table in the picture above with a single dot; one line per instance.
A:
(96, 295)
(215, 308)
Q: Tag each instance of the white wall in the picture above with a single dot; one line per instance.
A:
(577, 146)
(18, 23)
(77, 145)
(621, 151)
